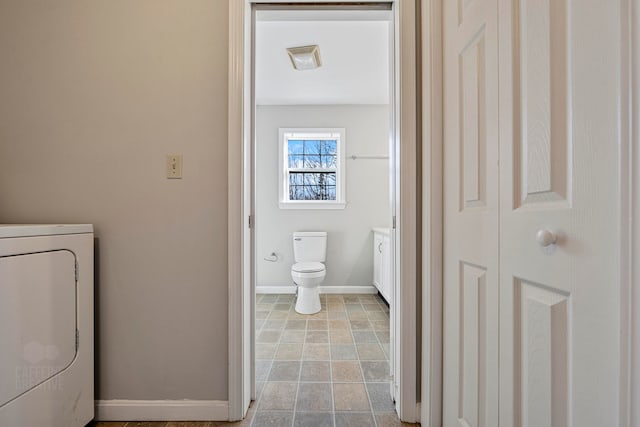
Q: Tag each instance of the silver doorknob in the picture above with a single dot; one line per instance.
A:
(545, 238)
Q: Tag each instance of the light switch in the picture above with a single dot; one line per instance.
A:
(174, 166)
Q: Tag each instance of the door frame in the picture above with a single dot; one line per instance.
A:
(241, 302)
(631, 222)
(629, 175)
(240, 235)
(432, 211)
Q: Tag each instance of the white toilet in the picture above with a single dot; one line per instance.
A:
(309, 250)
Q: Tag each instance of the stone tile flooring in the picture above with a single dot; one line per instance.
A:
(326, 369)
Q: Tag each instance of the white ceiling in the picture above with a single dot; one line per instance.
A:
(355, 62)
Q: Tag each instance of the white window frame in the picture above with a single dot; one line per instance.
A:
(285, 134)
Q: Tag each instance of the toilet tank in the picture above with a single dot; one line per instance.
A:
(310, 246)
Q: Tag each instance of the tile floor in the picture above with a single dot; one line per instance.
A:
(325, 369)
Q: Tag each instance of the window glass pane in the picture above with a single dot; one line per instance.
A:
(309, 179)
(331, 179)
(312, 154)
(295, 178)
(296, 161)
(312, 147)
(296, 192)
(331, 192)
(295, 147)
(328, 154)
(322, 179)
(312, 186)
(312, 161)
(328, 162)
(329, 147)
(310, 192)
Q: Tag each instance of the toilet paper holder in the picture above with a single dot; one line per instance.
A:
(272, 258)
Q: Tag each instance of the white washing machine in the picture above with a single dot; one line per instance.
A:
(46, 325)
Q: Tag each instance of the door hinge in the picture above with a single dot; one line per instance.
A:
(77, 271)
(77, 339)
(394, 222)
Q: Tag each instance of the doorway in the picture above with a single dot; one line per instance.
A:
(323, 178)
(403, 237)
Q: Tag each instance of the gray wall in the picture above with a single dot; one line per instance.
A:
(350, 241)
(93, 95)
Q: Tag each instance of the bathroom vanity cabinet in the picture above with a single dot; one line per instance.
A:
(382, 262)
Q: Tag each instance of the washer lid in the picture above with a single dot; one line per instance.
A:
(32, 230)
(308, 267)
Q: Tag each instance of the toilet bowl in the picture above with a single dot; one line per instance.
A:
(308, 276)
(308, 272)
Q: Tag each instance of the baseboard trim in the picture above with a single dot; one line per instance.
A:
(162, 410)
(291, 289)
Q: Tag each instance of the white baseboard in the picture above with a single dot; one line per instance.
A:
(288, 289)
(370, 289)
(291, 289)
(162, 410)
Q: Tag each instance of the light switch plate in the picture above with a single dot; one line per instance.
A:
(174, 166)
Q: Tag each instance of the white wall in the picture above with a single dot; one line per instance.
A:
(93, 95)
(350, 241)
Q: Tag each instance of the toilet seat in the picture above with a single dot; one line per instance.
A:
(308, 267)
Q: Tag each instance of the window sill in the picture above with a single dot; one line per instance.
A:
(313, 205)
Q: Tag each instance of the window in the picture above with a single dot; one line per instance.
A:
(311, 165)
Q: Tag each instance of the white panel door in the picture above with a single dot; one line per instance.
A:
(471, 214)
(532, 213)
(559, 304)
